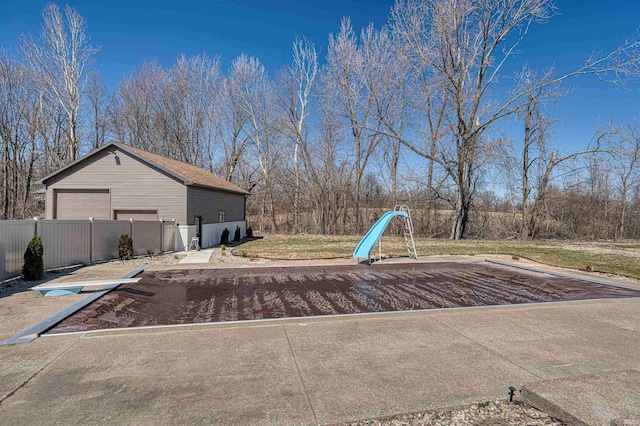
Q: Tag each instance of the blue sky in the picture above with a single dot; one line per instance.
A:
(130, 32)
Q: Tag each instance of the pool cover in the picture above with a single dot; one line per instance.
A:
(218, 295)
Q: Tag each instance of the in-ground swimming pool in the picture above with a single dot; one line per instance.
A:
(220, 295)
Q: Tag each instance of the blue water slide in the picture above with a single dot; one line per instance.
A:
(371, 238)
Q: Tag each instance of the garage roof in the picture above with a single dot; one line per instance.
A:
(187, 173)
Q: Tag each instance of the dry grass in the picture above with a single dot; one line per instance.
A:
(621, 259)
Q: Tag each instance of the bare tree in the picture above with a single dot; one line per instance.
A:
(328, 174)
(20, 130)
(136, 118)
(345, 92)
(256, 97)
(188, 107)
(297, 82)
(624, 146)
(462, 46)
(12, 110)
(386, 82)
(97, 93)
(59, 58)
(233, 125)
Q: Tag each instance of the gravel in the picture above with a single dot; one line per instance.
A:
(18, 284)
(229, 255)
(492, 413)
(158, 259)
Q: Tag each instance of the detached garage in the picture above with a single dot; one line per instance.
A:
(120, 182)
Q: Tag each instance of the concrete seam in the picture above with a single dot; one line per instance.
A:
(33, 376)
(487, 348)
(304, 387)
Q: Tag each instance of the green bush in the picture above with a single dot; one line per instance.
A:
(33, 268)
(125, 247)
(249, 232)
(236, 236)
(224, 238)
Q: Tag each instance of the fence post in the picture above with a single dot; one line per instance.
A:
(161, 236)
(176, 231)
(134, 243)
(91, 236)
(35, 228)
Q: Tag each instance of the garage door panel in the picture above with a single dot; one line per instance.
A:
(82, 204)
(65, 205)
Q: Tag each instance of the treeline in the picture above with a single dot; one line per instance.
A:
(409, 113)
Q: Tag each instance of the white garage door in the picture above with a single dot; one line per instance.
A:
(83, 204)
(136, 214)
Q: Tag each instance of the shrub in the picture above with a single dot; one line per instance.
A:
(224, 238)
(151, 252)
(236, 236)
(249, 232)
(33, 268)
(125, 247)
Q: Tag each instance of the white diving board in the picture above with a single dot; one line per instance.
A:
(29, 334)
(64, 289)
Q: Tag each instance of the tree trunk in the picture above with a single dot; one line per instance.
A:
(462, 215)
(623, 212)
(296, 190)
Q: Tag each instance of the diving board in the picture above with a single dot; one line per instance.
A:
(29, 334)
(64, 289)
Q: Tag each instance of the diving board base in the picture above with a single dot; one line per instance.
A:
(60, 291)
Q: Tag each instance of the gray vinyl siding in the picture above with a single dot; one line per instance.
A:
(133, 185)
(208, 202)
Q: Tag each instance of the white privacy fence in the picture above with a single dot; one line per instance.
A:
(183, 236)
(211, 233)
(73, 242)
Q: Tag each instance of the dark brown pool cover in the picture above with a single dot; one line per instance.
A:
(216, 295)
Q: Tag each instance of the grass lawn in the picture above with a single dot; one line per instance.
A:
(622, 259)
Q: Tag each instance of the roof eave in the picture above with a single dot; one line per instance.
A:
(217, 188)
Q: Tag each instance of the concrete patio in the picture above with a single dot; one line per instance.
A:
(319, 371)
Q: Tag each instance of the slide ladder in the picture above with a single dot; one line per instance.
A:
(407, 230)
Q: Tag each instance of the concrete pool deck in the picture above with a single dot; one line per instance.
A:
(317, 371)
